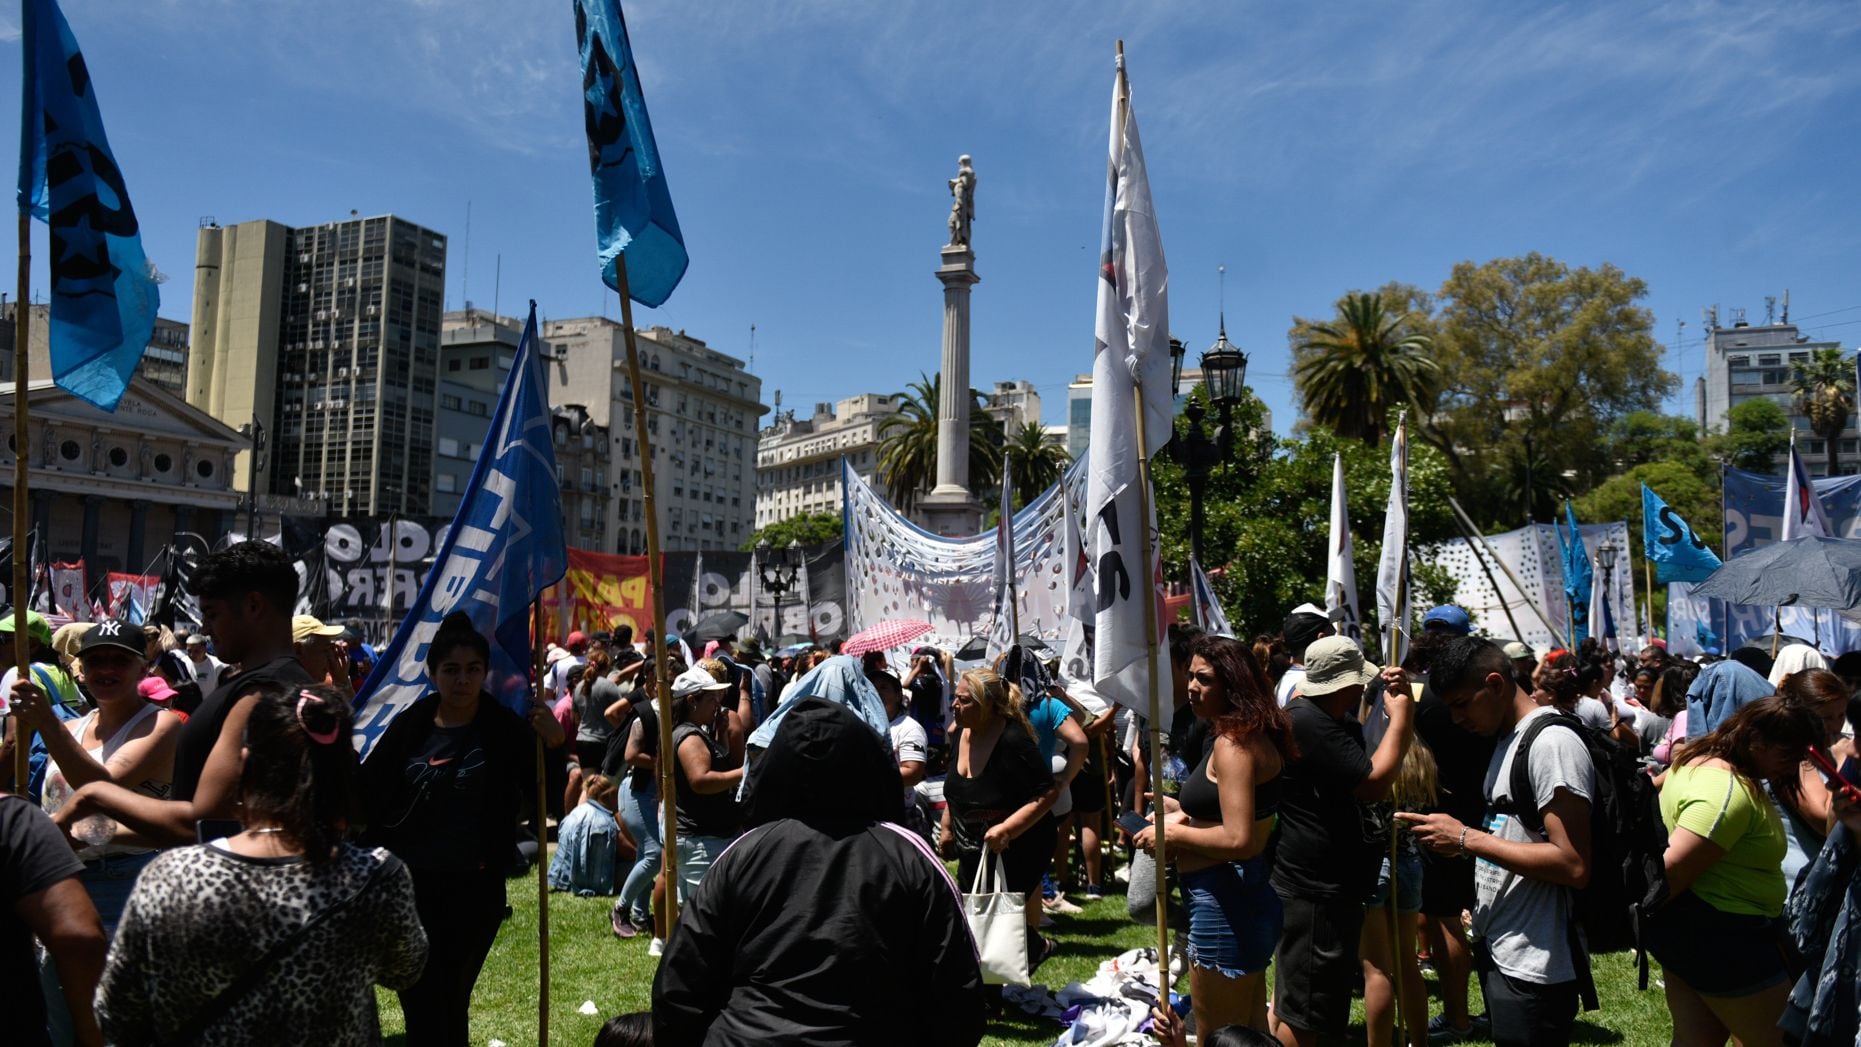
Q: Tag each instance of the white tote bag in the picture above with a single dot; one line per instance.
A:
(998, 922)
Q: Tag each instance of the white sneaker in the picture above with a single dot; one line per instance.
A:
(1059, 904)
(658, 948)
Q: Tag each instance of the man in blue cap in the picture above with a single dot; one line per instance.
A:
(1448, 620)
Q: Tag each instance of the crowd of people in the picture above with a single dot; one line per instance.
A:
(199, 854)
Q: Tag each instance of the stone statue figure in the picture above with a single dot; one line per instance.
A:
(963, 206)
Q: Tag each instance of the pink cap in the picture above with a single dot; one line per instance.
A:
(155, 689)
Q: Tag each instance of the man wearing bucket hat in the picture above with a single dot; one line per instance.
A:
(49, 672)
(1324, 869)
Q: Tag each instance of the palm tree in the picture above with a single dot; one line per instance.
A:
(1033, 460)
(1351, 371)
(1825, 394)
(908, 444)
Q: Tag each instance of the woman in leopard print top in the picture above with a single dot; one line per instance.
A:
(281, 931)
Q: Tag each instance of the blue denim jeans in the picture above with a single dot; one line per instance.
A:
(639, 810)
(108, 881)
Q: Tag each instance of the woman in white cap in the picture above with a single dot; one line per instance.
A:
(124, 740)
(704, 780)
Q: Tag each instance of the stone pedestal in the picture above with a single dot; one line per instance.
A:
(950, 508)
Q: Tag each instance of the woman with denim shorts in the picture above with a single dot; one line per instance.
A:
(1218, 831)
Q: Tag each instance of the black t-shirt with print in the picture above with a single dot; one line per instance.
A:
(446, 779)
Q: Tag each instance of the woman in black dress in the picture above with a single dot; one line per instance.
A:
(999, 792)
(445, 788)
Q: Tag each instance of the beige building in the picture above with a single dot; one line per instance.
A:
(702, 416)
(164, 361)
(326, 338)
(113, 490)
(1013, 404)
(798, 459)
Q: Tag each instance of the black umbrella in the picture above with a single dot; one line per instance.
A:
(720, 626)
(1802, 572)
(977, 647)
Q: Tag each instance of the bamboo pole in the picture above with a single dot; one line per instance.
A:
(22, 637)
(655, 572)
(1477, 545)
(1648, 568)
(1148, 593)
(1467, 522)
(542, 831)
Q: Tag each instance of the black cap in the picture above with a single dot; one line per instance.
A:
(113, 633)
(1301, 629)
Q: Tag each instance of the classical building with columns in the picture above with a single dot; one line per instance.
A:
(115, 489)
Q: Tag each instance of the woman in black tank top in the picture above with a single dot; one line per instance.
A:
(1218, 830)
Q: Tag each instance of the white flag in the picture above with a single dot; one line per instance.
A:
(1208, 613)
(1802, 509)
(1006, 631)
(1340, 572)
(1392, 570)
(1132, 353)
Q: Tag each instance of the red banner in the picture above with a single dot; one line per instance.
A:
(601, 591)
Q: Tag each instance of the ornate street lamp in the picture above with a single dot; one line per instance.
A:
(1224, 378)
(779, 570)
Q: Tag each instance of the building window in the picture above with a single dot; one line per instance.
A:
(452, 364)
(119, 457)
(69, 450)
(445, 483)
(1770, 359)
(477, 408)
(449, 402)
(163, 463)
(448, 447)
(481, 363)
(204, 469)
(1747, 377)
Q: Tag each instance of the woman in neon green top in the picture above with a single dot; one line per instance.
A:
(1719, 937)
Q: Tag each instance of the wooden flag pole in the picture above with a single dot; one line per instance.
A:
(1648, 568)
(660, 651)
(542, 834)
(1466, 522)
(22, 637)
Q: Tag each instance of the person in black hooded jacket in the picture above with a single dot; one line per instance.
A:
(826, 923)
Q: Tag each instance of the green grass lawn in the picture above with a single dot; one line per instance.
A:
(588, 963)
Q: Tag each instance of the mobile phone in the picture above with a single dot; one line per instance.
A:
(1836, 780)
(1132, 823)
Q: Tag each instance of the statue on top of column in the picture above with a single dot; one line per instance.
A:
(963, 206)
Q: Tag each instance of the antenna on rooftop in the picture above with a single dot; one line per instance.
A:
(752, 366)
(1770, 309)
(465, 264)
(1786, 305)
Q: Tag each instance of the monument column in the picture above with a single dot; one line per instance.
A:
(950, 508)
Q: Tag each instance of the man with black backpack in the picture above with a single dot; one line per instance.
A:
(1531, 855)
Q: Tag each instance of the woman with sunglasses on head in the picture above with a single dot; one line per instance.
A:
(281, 931)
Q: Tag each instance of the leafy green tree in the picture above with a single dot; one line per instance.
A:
(809, 529)
(1353, 370)
(1756, 432)
(1268, 518)
(1033, 460)
(908, 444)
(1534, 351)
(1824, 387)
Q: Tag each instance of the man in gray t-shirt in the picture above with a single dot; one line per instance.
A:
(1522, 908)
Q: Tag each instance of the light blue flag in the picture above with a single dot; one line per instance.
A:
(632, 205)
(1578, 577)
(103, 289)
(1678, 552)
(504, 547)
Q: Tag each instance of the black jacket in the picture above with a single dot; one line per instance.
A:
(824, 924)
(510, 749)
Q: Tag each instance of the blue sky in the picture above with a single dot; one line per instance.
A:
(1708, 148)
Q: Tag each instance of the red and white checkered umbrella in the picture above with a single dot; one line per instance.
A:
(885, 636)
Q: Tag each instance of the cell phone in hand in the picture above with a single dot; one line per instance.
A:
(1132, 823)
(1836, 780)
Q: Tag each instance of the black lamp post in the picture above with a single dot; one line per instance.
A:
(779, 571)
(255, 432)
(1224, 377)
(1605, 558)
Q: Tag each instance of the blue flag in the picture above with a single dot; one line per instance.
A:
(1577, 577)
(504, 547)
(632, 205)
(1679, 554)
(103, 289)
